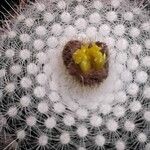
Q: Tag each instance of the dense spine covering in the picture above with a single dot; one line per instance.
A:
(42, 107)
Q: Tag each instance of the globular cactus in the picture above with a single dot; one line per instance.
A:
(42, 107)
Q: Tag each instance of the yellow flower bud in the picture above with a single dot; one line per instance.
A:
(89, 57)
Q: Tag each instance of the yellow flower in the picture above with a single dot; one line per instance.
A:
(89, 57)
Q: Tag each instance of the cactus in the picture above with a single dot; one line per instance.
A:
(42, 107)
